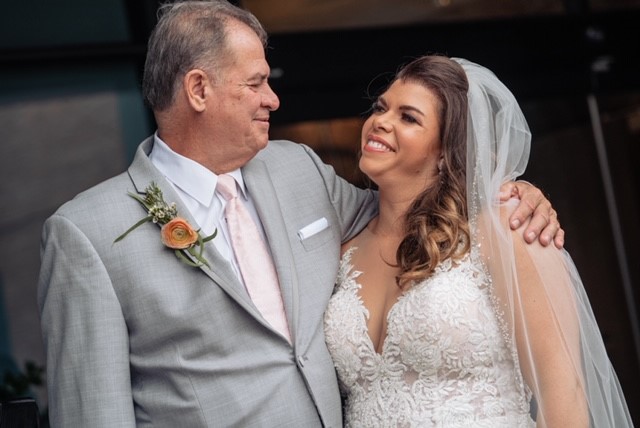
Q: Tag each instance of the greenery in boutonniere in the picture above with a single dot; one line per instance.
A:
(176, 233)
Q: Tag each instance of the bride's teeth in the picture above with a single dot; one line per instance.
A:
(377, 145)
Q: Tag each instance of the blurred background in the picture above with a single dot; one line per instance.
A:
(71, 115)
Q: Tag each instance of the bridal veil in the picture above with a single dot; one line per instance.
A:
(562, 336)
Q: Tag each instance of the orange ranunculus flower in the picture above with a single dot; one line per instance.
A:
(178, 234)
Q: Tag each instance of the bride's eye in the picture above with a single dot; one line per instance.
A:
(409, 118)
(376, 107)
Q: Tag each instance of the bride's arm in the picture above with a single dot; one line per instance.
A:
(547, 332)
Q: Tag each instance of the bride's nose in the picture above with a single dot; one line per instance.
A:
(381, 122)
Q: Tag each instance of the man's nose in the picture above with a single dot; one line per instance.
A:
(270, 99)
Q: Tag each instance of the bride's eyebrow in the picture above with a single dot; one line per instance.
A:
(405, 107)
(381, 100)
(411, 108)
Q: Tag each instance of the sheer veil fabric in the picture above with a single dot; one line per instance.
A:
(557, 342)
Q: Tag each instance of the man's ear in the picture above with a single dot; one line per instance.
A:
(196, 85)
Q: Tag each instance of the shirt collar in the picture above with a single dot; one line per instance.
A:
(188, 175)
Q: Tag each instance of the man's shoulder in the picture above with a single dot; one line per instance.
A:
(98, 197)
(279, 148)
(108, 194)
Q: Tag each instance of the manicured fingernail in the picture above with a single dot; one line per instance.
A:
(531, 235)
(515, 223)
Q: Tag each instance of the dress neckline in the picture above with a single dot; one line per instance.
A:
(351, 276)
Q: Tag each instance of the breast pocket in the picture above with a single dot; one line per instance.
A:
(316, 233)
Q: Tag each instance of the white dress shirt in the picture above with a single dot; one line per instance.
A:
(196, 186)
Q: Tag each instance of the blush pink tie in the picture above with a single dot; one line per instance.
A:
(253, 258)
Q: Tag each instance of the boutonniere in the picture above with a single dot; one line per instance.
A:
(175, 232)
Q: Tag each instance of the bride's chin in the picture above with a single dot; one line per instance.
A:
(368, 167)
(373, 172)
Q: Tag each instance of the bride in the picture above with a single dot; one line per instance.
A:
(442, 316)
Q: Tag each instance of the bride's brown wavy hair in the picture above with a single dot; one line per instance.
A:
(436, 224)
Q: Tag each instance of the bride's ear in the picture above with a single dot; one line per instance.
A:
(440, 164)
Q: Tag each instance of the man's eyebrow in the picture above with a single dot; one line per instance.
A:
(259, 76)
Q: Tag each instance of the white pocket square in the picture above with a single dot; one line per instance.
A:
(313, 228)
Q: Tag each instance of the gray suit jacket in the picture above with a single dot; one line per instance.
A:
(134, 337)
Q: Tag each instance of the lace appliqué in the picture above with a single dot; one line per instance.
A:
(444, 362)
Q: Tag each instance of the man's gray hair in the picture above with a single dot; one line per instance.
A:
(189, 34)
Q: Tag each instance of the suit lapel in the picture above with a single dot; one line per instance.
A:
(265, 199)
(142, 173)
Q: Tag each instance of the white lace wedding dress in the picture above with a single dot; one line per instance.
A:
(444, 363)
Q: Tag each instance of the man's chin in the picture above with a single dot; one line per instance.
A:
(262, 142)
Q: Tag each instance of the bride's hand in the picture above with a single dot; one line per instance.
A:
(544, 222)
